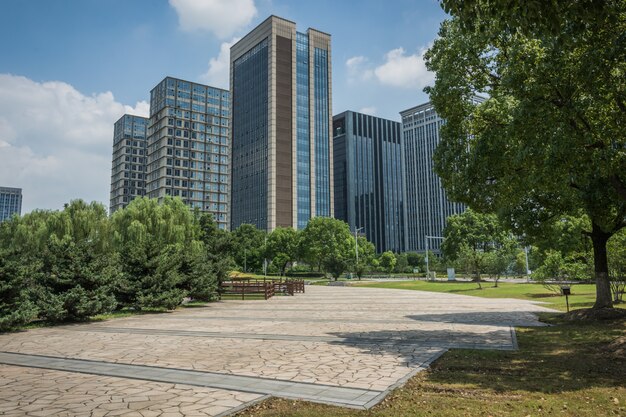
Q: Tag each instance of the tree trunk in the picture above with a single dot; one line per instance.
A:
(601, 267)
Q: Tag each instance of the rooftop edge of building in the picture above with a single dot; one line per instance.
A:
(345, 112)
(271, 17)
(429, 104)
(131, 115)
(187, 81)
(10, 189)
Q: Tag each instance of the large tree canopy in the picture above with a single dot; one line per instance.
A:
(327, 243)
(549, 138)
(479, 243)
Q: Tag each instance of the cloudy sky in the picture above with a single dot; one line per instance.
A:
(70, 68)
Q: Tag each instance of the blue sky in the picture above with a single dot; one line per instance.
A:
(70, 68)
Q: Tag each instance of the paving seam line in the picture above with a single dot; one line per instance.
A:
(271, 391)
(293, 338)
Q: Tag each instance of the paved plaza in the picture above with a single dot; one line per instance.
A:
(345, 346)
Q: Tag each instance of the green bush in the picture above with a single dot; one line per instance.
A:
(16, 308)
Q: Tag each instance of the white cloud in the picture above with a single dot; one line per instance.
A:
(56, 142)
(218, 73)
(371, 110)
(359, 69)
(222, 17)
(402, 70)
(142, 108)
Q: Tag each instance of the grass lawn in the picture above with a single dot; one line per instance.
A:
(565, 370)
(569, 369)
(583, 295)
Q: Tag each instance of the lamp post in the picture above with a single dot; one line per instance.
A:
(426, 237)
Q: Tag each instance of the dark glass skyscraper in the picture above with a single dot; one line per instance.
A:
(427, 204)
(281, 151)
(128, 170)
(368, 178)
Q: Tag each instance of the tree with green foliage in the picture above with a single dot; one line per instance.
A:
(549, 139)
(73, 270)
(367, 253)
(153, 240)
(402, 263)
(477, 242)
(557, 270)
(282, 247)
(16, 272)
(519, 266)
(416, 260)
(387, 261)
(248, 247)
(499, 261)
(218, 244)
(328, 244)
(436, 262)
(617, 265)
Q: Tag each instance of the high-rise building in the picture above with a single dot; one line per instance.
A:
(282, 119)
(427, 206)
(368, 183)
(128, 170)
(10, 202)
(188, 146)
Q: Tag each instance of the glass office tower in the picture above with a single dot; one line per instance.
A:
(128, 170)
(10, 202)
(427, 204)
(281, 153)
(188, 146)
(368, 178)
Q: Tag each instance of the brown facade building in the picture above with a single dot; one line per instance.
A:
(281, 126)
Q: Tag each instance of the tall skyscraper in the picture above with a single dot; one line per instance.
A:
(10, 202)
(281, 151)
(188, 146)
(427, 204)
(368, 183)
(128, 170)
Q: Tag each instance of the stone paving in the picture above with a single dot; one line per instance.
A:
(339, 345)
(38, 392)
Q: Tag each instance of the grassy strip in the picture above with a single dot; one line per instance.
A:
(583, 295)
(564, 370)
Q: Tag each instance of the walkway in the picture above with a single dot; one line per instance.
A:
(338, 345)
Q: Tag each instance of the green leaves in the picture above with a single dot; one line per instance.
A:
(548, 141)
(76, 263)
(387, 261)
(478, 243)
(328, 243)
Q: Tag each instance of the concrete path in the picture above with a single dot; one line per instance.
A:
(338, 345)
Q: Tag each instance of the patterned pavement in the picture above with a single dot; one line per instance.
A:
(339, 345)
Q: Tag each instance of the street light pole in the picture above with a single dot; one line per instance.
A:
(426, 237)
